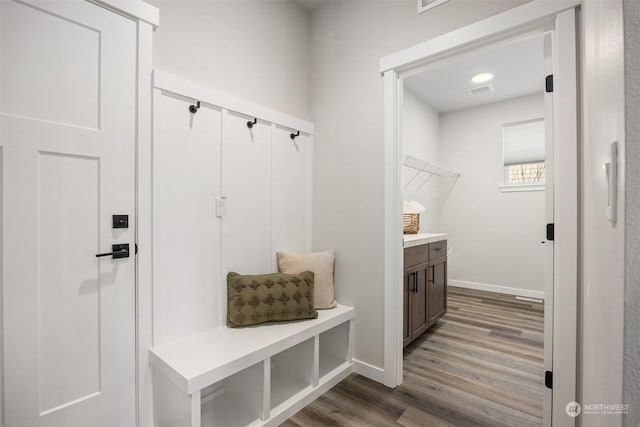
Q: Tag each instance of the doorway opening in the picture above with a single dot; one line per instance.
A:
(556, 25)
(473, 135)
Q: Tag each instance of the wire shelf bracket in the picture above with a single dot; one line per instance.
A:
(424, 167)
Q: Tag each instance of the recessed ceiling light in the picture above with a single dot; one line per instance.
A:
(482, 77)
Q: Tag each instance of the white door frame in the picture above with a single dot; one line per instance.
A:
(560, 16)
(147, 18)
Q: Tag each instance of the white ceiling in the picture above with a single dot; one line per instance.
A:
(518, 70)
(311, 5)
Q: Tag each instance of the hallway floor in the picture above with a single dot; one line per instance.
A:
(480, 365)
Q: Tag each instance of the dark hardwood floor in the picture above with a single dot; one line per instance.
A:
(480, 365)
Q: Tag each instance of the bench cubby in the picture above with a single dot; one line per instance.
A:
(334, 349)
(292, 372)
(235, 401)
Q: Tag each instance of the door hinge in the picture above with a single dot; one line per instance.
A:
(548, 83)
(548, 379)
(136, 249)
(551, 233)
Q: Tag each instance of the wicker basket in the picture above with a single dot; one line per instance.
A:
(411, 223)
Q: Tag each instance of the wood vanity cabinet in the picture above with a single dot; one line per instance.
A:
(437, 286)
(416, 317)
(407, 290)
(424, 288)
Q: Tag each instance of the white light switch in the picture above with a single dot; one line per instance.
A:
(221, 206)
(611, 170)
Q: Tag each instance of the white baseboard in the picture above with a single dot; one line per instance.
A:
(369, 371)
(496, 288)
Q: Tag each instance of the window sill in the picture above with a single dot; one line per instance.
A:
(524, 187)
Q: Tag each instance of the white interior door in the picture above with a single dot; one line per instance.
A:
(565, 217)
(67, 130)
(548, 216)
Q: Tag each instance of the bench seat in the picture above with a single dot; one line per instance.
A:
(196, 362)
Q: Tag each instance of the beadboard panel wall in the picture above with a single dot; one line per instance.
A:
(226, 198)
(186, 182)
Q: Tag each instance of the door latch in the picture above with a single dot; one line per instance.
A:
(117, 251)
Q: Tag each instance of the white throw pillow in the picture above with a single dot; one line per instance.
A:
(321, 264)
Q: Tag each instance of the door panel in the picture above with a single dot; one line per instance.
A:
(437, 284)
(68, 165)
(66, 65)
(69, 345)
(419, 315)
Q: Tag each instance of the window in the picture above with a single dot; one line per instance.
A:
(523, 154)
(525, 173)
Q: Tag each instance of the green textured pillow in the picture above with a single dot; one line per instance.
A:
(269, 298)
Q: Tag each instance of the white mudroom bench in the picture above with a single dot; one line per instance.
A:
(252, 376)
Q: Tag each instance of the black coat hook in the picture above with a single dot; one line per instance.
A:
(251, 123)
(194, 108)
(293, 135)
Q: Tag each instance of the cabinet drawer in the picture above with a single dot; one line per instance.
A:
(437, 249)
(416, 255)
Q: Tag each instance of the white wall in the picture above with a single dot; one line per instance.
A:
(347, 41)
(470, 142)
(254, 49)
(495, 236)
(602, 268)
(631, 392)
(420, 138)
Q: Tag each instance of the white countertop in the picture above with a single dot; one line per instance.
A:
(411, 240)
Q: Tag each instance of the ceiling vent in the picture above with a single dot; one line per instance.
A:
(481, 90)
(424, 5)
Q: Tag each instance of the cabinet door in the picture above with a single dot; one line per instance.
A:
(418, 312)
(407, 289)
(437, 285)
